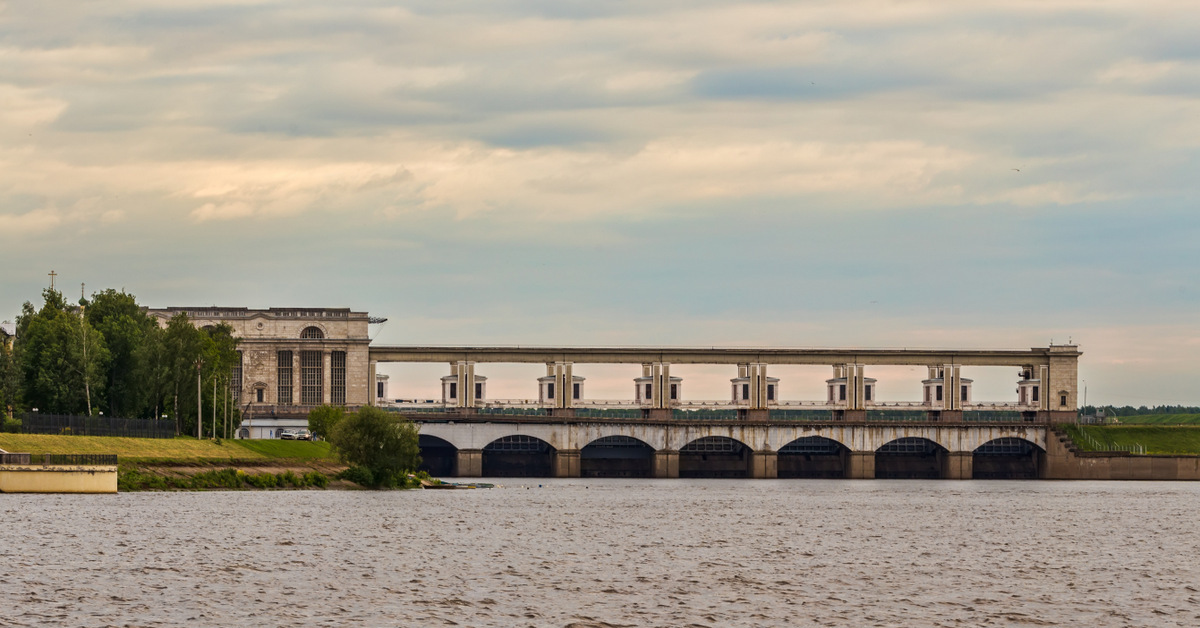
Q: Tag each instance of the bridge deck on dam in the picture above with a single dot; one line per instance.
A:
(671, 448)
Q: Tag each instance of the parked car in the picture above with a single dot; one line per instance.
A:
(303, 435)
(287, 435)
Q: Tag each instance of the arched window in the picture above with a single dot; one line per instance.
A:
(312, 332)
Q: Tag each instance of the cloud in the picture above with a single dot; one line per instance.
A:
(641, 172)
(36, 221)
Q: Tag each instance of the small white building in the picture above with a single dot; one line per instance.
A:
(451, 390)
(381, 389)
(837, 388)
(740, 390)
(644, 389)
(1029, 389)
(547, 392)
(935, 392)
(270, 426)
(8, 332)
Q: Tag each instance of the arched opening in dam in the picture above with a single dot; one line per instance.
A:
(1007, 459)
(813, 457)
(438, 457)
(714, 457)
(616, 457)
(518, 456)
(910, 458)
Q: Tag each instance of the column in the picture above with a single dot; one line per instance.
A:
(666, 463)
(764, 465)
(855, 392)
(862, 465)
(371, 386)
(660, 389)
(297, 377)
(326, 377)
(952, 393)
(566, 463)
(564, 395)
(757, 374)
(469, 463)
(466, 383)
(1044, 394)
(958, 465)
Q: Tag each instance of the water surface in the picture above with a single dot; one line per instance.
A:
(590, 553)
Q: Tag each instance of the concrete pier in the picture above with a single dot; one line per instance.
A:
(469, 463)
(19, 478)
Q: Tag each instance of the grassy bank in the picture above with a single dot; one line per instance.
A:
(1160, 419)
(1155, 439)
(187, 463)
(177, 450)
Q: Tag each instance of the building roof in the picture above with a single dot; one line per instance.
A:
(8, 328)
(219, 312)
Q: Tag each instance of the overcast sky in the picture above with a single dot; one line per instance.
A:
(880, 174)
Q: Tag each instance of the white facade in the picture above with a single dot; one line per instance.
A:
(935, 394)
(836, 390)
(740, 390)
(381, 389)
(644, 390)
(451, 390)
(547, 395)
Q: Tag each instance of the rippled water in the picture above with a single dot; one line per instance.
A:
(612, 553)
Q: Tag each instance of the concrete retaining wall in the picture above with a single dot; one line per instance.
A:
(57, 479)
(1063, 462)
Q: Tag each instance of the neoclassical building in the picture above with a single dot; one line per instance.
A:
(291, 360)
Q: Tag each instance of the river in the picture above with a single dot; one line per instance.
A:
(598, 553)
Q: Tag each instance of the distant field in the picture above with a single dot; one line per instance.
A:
(177, 449)
(1156, 440)
(1160, 419)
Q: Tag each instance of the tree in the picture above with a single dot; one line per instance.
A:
(126, 328)
(182, 350)
(10, 385)
(383, 442)
(219, 356)
(62, 357)
(323, 419)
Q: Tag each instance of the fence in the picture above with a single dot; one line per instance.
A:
(60, 459)
(1095, 445)
(96, 426)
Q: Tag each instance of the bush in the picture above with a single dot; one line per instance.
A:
(134, 480)
(287, 477)
(316, 478)
(12, 426)
(223, 478)
(361, 476)
(262, 480)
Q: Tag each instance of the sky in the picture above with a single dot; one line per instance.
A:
(844, 173)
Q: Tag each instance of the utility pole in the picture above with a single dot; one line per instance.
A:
(199, 400)
(52, 276)
(87, 385)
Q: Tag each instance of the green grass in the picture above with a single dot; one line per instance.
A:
(183, 449)
(1160, 419)
(1155, 440)
(296, 449)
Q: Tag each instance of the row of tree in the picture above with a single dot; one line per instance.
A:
(107, 356)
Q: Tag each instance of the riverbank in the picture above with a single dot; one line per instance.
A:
(188, 464)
